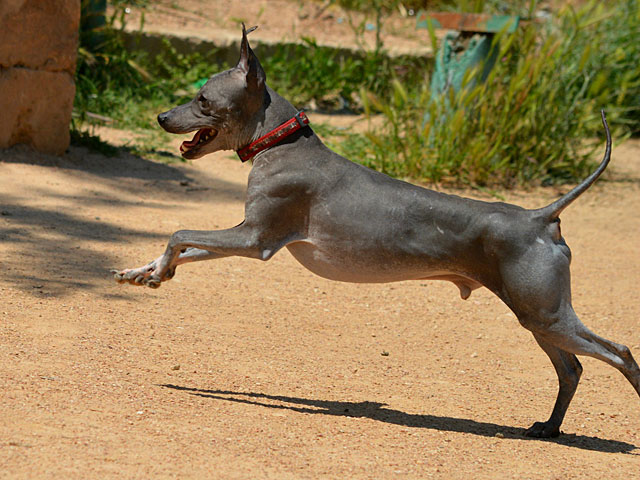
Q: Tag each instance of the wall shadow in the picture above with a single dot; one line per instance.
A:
(379, 412)
(122, 166)
(52, 250)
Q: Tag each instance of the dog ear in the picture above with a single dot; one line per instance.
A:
(248, 63)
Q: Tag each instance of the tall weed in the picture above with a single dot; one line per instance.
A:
(130, 86)
(607, 47)
(528, 121)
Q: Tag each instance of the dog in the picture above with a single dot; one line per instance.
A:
(345, 222)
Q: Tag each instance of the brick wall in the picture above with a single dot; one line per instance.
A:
(38, 43)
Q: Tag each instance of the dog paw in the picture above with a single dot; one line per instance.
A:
(155, 278)
(152, 283)
(542, 430)
(151, 275)
(119, 275)
(133, 276)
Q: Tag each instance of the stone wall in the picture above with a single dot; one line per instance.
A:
(38, 44)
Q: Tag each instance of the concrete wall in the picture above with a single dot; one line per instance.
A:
(38, 44)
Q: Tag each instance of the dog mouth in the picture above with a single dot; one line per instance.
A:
(201, 138)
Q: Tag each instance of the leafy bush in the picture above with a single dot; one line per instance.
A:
(332, 79)
(528, 121)
(132, 86)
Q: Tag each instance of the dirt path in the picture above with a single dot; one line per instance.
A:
(240, 369)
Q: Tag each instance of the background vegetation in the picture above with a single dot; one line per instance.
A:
(530, 122)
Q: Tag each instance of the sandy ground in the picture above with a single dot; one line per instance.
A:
(243, 369)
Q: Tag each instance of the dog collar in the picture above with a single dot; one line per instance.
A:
(299, 120)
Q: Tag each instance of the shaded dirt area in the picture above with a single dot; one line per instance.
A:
(243, 369)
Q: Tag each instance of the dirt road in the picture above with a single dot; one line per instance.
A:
(243, 369)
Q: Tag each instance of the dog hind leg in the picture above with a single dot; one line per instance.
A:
(562, 341)
(573, 336)
(568, 369)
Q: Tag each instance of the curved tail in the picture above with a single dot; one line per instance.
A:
(551, 212)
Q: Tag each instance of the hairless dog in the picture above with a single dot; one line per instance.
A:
(348, 223)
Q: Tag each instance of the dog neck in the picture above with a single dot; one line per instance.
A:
(275, 136)
(280, 120)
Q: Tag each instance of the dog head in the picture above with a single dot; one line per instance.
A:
(225, 111)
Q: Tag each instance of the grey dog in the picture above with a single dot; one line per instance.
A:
(348, 223)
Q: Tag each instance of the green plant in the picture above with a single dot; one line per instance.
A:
(528, 121)
(127, 85)
(606, 45)
(333, 79)
(116, 79)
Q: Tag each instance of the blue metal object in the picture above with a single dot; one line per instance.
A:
(468, 45)
(458, 55)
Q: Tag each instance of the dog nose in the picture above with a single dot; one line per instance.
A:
(162, 118)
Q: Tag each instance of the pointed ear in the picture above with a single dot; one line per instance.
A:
(248, 63)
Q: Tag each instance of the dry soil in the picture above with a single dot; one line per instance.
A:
(242, 369)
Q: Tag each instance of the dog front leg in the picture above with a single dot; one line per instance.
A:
(136, 276)
(193, 245)
(191, 255)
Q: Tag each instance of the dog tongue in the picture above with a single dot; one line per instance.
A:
(193, 142)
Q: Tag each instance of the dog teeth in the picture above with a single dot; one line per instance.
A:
(206, 136)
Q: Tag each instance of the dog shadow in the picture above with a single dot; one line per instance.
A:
(379, 412)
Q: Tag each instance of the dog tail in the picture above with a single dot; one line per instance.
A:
(552, 212)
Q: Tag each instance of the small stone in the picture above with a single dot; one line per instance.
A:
(175, 367)
(385, 353)
(499, 435)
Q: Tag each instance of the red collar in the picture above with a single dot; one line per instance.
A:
(299, 121)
